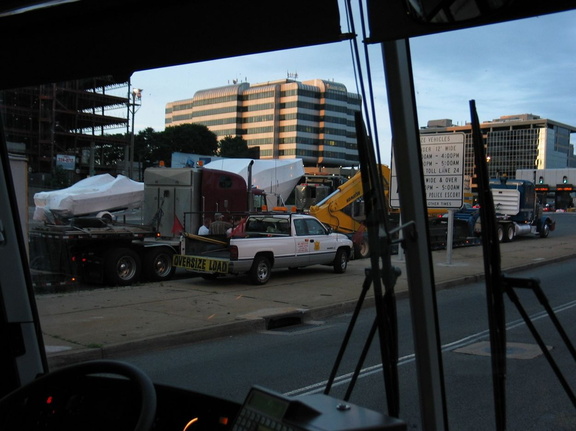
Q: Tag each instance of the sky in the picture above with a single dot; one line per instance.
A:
(525, 66)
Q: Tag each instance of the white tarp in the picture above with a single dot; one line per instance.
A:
(275, 177)
(90, 196)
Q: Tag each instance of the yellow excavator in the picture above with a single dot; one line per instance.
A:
(343, 210)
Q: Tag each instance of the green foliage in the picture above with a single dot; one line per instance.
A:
(186, 138)
(151, 147)
(60, 178)
(109, 154)
(145, 143)
(234, 147)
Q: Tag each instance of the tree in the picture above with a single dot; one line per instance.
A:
(145, 143)
(111, 153)
(234, 147)
(151, 147)
(60, 178)
(185, 138)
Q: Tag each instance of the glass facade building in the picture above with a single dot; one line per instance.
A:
(311, 120)
(515, 142)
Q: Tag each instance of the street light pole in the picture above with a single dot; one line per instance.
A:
(136, 94)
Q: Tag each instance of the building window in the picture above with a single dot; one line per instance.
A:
(261, 107)
(215, 100)
(258, 118)
(258, 130)
(217, 111)
(182, 117)
(258, 95)
(183, 106)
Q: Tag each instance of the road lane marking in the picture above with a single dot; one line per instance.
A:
(319, 387)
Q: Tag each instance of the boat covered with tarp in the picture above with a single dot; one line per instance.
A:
(89, 196)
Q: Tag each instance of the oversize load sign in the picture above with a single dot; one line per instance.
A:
(443, 167)
(200, 264)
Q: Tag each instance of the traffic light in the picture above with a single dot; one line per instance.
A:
(564, 179)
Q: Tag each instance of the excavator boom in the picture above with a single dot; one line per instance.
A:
(343, 209)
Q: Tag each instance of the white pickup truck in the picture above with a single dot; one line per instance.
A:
(263, 242)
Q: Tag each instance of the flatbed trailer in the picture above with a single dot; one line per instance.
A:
(90, 250)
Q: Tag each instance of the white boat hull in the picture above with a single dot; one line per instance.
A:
(90, 196)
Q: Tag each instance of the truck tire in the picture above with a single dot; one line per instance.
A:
(544, 230)
(362, 249)
(158, 264)
(122, 267)
(500, 233)
(510, 233)
(261, 270)
(341, 261)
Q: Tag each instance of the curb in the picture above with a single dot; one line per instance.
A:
(253, 324)
(158, 342)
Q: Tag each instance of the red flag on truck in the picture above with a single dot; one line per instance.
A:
(177, 226)
(238, 231)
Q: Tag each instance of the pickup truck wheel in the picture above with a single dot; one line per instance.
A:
(158, 264)
(544, 230)
(122, 267)
(261, 270)
(340, 261)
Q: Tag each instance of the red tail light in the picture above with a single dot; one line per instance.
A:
(233, 252)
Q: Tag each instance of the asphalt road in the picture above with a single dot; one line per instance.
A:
(124, 322)
(104, 322)
(298, 360)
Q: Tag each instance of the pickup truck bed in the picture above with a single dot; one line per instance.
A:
(263, 242)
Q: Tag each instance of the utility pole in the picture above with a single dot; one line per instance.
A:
(133, 107)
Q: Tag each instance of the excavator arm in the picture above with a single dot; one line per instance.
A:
(335, 210)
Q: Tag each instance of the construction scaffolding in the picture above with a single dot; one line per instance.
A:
(83, 122)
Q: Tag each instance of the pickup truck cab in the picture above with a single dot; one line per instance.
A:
(265, 241)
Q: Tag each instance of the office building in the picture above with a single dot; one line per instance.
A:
(311, 120)
(515, 142)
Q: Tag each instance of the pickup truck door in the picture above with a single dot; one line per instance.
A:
(313, 238)
(271, 234)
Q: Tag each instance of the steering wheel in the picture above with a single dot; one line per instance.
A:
(143, 383)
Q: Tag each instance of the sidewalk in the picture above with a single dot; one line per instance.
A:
(109, 322)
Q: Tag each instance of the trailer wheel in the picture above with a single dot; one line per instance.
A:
(261, 270)
(122, 267)
(544, 230)
(510, 233)
(158, 263)
(500, 233)
(341, 261)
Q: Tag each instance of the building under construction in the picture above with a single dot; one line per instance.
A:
(77, 127)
